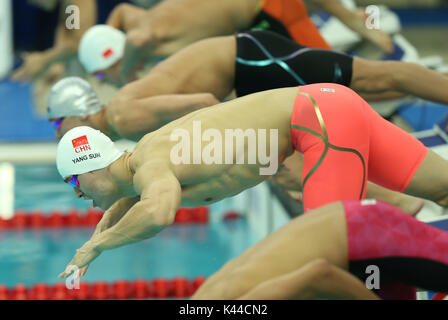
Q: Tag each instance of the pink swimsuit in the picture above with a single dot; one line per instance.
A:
(408, 252)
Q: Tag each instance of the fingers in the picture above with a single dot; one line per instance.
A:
(16, 75)
(115, 17)
(25, 73)
(82, 258)
(389, 47)
(296, 195)
(22, 72)
(68, 271)
(381, 39)
(386, 44)
(84, 270)
(137, 37)
(73, 268)
(20, 75)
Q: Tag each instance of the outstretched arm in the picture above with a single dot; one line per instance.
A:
(160, 198)
(111, 217)
(317, 279)
(132, 118)
(174, 24)
(138, 26)
(125, 16)
(382, 96)
(355, 21)
(115, 213)
(66, 43)
(395, 76)
(129, 18)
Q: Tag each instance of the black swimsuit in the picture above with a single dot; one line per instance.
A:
(266, 60)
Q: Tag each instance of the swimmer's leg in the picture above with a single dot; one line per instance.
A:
(408, 78)
(331, 175)
(430, 181)
(404, 249)
(317, 279)
(406, 203)
(400, 162)
(320, 234)
(289, 178)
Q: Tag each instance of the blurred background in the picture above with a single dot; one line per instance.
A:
(194, 247)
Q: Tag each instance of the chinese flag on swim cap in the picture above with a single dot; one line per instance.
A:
(84, 149)
(80, 141)
(100, 47)
(108, 53)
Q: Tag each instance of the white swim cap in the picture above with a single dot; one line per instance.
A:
(83, 149)
(100, 47)
(72, 96)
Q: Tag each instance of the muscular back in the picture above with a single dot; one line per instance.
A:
(176, 23)
(205, 66)
(205, 183)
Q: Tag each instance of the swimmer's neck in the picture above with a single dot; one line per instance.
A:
(123, 176)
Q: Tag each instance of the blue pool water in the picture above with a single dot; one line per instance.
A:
(41, 187)
(39, 256)
(33, 256)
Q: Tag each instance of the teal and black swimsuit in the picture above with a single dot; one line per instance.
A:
(266, 60)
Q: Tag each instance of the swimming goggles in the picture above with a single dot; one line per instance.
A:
(74, 181)
(57, 123)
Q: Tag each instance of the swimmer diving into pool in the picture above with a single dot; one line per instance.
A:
(344, 143)
(173, 24)
(325, 253)
(80, 106)
(209, 70)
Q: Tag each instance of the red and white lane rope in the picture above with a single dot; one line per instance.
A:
(160, 288)
(75, 218)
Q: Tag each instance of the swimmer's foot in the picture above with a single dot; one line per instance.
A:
(409, 204)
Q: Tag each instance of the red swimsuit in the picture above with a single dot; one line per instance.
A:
(294, 16)
(345, 143)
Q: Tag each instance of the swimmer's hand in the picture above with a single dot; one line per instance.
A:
(296, 196)
(357, 20)
(84, 255)
(378, 37)
(105, 223)
(133, 51)
(131, 19)
(126, 17)
(33, 64)
(381, 39)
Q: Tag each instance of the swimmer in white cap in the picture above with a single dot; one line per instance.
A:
(89, 151)
(142, 190)
(100, 50)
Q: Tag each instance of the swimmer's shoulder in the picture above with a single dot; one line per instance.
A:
(154, 144)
